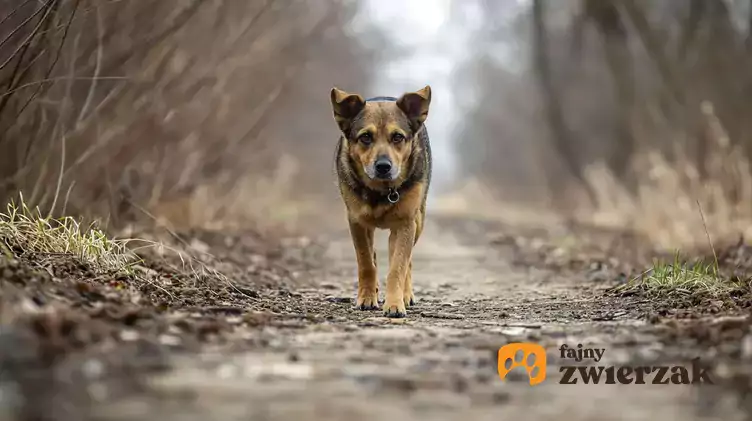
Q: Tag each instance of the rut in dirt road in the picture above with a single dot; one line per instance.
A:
(440, 363)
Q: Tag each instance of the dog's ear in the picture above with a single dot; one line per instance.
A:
(346, 107)
(415, 105)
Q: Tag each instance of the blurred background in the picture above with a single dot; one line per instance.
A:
(215, 113)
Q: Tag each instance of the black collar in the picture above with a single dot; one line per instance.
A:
(373, 197)
(382, 98)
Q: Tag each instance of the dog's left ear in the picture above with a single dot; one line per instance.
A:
(415, 105)
(346, 107)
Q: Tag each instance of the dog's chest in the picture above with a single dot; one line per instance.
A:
(387, 216)
(381, 216)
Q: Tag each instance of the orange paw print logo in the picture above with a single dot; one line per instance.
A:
(530, 356)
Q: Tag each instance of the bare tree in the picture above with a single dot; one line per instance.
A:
(561, 135)
(605, 16)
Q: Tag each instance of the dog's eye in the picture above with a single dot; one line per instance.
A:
(398, 138)
(365, 138)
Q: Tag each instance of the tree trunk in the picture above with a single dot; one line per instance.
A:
(561, 136)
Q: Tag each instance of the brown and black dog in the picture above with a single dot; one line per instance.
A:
(383, 165)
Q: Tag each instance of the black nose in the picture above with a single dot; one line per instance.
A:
(383, 167)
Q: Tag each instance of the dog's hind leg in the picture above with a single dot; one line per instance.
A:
(419, 222)
(408, 296)
(368, 286)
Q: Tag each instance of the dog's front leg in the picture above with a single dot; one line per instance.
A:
(401, 240)
(368, 286)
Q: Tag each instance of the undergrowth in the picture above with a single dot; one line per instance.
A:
(25, 231)
(684, 278)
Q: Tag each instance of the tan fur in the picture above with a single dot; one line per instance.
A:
(404, 219)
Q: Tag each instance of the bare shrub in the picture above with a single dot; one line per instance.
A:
(671, 196)
(118, 103)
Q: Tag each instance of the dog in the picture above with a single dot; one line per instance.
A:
(383, 167)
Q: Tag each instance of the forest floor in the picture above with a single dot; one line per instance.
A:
(278, 338)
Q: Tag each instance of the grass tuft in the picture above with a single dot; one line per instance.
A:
(678, 277)
(25, 231)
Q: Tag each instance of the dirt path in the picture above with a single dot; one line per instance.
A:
(336, 363)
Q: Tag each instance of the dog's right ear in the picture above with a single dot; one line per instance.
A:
(346, 107)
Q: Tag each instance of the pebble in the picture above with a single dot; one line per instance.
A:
(199, 246)
(93, 369)
(227, 371)
(169, 340)
(129, 335)
(747, 346)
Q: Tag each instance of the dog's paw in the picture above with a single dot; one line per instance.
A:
(368, 300)
(409, 300)
(394, 309)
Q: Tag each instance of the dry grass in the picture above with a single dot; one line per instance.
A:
(26, 231)
(665, 208)
(269, 200)
(679, 278)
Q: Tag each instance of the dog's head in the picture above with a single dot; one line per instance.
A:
(380, 134)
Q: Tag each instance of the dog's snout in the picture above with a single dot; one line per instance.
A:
(383, 167)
